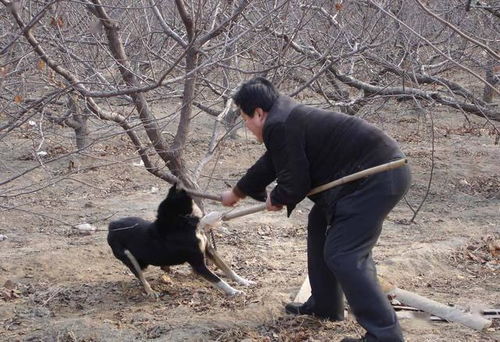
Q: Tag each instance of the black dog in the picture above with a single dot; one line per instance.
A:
(174, 238)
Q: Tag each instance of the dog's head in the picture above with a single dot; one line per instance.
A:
(178, 201)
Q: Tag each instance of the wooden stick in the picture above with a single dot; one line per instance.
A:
(234, 213)
(200, 194)
(229, 215)
(358, 175)
(340, 181)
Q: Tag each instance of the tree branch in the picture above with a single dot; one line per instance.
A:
(457, 30)
(142, 107)
(165, 26)
(434, 46)
(418, 93)
(216, 31)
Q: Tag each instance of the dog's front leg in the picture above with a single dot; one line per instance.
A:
(228, 289)
(212, 254)
(149, 291)
(200, 268)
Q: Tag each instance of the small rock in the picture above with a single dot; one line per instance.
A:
(85, 228)
(40, 311)
(9, 284)
(3, 237)
(154, 190)
(464, 182)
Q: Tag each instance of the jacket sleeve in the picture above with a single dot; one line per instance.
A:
(289, 158)
(257, 177)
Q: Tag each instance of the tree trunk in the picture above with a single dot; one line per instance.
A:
(492, 79)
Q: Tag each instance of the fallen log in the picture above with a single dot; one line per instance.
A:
(430, 306)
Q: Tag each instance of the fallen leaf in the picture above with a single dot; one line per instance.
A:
(166, 279)
(494, 247)
(475, 258)
(9, 294)
(56, 22)
(41, 64)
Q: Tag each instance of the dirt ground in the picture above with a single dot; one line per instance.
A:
(58, 285)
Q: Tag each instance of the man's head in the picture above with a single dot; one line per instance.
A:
(255, 93)
(255, 99)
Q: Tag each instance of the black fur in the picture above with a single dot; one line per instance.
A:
(169, 240)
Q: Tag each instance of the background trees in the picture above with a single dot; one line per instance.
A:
(144, 69)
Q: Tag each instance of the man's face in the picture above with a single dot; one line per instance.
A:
(255, 124)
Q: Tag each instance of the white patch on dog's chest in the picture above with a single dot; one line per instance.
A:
(202, 241)
(202, 238)
(196, 211)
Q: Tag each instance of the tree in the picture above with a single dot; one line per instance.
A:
(75, 63)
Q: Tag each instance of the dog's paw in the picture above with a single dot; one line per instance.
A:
(235, 292)
(153, 295)
(246, 282)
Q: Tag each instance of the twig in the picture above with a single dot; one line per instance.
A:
(432, 164)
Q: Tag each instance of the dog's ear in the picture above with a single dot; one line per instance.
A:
(176, 189)
(172, 191)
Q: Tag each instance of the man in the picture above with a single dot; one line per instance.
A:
(308, 147)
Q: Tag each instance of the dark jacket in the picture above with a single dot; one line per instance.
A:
(308, 147)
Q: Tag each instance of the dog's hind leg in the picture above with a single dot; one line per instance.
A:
(140, 275)
(212, 254)
(200, 268)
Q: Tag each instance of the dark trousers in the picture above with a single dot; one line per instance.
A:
(340, 259)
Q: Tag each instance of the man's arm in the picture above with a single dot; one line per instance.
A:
(289, 157)
(253, 183)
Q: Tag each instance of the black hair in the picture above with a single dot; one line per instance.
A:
(255, 93)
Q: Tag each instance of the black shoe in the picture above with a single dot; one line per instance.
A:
(353, 339)
(305, 309)
(298, 309)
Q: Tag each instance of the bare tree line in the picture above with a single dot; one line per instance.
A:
(93, 65)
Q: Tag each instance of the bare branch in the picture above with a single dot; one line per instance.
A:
(414, 92)
(216, 31)
(165, 26)
(454, 28)
(141, 104)
(461, 66)
(186, 18)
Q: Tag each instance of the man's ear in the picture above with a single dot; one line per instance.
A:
(261, 114)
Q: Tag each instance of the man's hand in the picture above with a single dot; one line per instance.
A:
(270, 206)
(229, 198)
